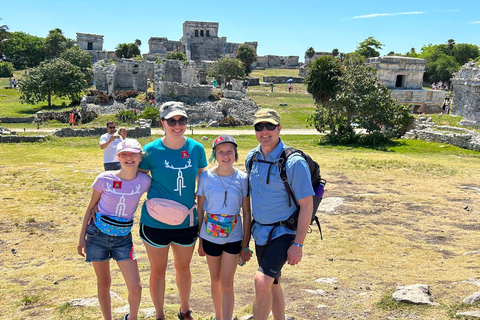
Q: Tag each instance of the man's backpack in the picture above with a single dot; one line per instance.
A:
(318, 185)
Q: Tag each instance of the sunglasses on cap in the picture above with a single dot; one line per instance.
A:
(172, 122)
(270, 126)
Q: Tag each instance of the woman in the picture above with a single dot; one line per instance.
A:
(122, 132)
(168, 218)
(222, 192)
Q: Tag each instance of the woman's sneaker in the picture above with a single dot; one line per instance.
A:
(185, 316)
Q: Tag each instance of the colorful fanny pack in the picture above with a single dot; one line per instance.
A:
(114, 226)
(169, 211)
(220, 225)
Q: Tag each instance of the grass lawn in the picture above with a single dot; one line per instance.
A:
(409, 215)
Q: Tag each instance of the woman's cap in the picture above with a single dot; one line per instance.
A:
(129, 145)
(223, 139)
(171, 109)
(266, 115)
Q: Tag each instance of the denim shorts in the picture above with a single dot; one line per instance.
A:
(102, 247)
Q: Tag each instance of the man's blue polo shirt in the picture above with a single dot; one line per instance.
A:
(270, 201)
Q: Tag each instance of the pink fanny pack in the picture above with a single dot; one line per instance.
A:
(169, 211)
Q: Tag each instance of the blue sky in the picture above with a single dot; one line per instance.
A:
(280, 27)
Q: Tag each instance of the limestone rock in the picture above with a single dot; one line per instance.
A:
(415, 293)
(473, 314)
(473, 298)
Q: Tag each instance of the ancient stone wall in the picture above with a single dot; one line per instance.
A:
(272, 61)
(466, 92)
(423, 101)
(137, 132)
(315, 56)
(88, 41)
(16, 120)
(165, 90)
(126, 74)
(20, 139)
(399, 72)
(282, 79)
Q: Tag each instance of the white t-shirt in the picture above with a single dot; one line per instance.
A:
(110, 151)
(211, 188)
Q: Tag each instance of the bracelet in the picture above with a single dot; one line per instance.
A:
(298, 245)
(246, 249)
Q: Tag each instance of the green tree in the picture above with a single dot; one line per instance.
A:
(440, 66)
(357, 97)
(464, 52)
(335, 52)
(6, 69)
(310, 52)
(352, 59)
(56, 43)
(127, 50)
(55, 77)
(24, 50)
(246, 54)
(80, 58)
(367, 47)
(227, 69)
(322, 78)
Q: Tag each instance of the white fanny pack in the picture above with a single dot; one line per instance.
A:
(169, 211)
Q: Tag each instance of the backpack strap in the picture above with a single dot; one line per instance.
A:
(287, 152)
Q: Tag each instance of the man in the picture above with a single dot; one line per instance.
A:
(108, 143)
(275, 245)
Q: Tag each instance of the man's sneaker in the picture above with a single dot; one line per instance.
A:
(185, 316)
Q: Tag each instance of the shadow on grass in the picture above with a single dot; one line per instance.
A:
(386, 146)
(34, 109)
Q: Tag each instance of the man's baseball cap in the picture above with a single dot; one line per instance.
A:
(171, 109)
(266, 115)
(223, 139)
(129, 145)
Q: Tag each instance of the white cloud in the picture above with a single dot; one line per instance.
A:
(376, 15)
(474, 22)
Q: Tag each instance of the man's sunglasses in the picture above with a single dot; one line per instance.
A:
(270, 126)
(172, 122)
(111, 127)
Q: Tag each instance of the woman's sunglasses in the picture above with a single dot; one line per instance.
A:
(172, 122)
(270, 126)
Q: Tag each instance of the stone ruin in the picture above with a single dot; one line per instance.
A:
(466, 94)
(200, 42)
(404, 76)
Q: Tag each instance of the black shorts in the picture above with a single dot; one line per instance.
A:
(160, 238)
(271, 258)
(215, 250)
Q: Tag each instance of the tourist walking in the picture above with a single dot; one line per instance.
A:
(108, 143)
(116, 194)
(271, 86)
(169, 218)
(222, 192)
(275, 245)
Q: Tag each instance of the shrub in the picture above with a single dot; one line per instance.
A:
(94, 92)
(6, 69)
(127, 116)
(216, 96)
(101, 99)
(123, 95)
(229, 122)
(151, 113)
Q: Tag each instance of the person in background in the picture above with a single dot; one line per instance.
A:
(108, 143)
(122, 132)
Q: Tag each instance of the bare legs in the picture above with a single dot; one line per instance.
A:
(222, 271)
(130, 273)
(158, 258)
(268, 297)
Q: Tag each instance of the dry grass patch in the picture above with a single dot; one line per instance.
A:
(403, 221)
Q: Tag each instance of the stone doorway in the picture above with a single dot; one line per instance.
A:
(400, 83)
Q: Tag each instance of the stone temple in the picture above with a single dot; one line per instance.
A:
(200, 42)
(404, 76)
(466, 94)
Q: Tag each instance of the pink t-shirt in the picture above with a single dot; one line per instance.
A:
(120, 197)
